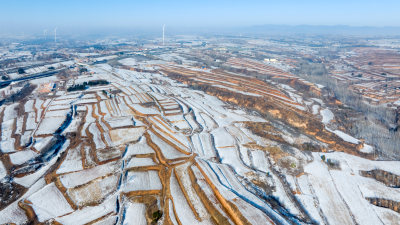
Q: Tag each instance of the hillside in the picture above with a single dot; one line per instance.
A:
(158, 142)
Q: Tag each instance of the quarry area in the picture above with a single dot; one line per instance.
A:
(200, 132)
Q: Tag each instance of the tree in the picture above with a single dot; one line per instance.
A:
(21, 70)
(83, 70)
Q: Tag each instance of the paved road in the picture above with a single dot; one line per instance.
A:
(31, 77)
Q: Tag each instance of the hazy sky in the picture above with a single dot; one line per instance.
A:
(22, 14)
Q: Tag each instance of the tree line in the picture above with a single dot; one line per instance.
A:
(85, 85)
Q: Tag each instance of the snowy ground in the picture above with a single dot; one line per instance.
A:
(145, 146)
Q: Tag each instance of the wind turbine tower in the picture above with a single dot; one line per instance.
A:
(163, 34)
(55, 35)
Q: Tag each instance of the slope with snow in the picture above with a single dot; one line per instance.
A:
(146, 149)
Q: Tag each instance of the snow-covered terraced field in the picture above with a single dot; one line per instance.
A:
(141, 151)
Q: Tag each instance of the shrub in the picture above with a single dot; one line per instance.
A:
(333, 164)
(157, 216)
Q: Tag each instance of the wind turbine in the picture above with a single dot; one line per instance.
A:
(55, 35)
(163, 34)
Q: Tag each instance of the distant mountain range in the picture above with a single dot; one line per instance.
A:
(323, 29)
